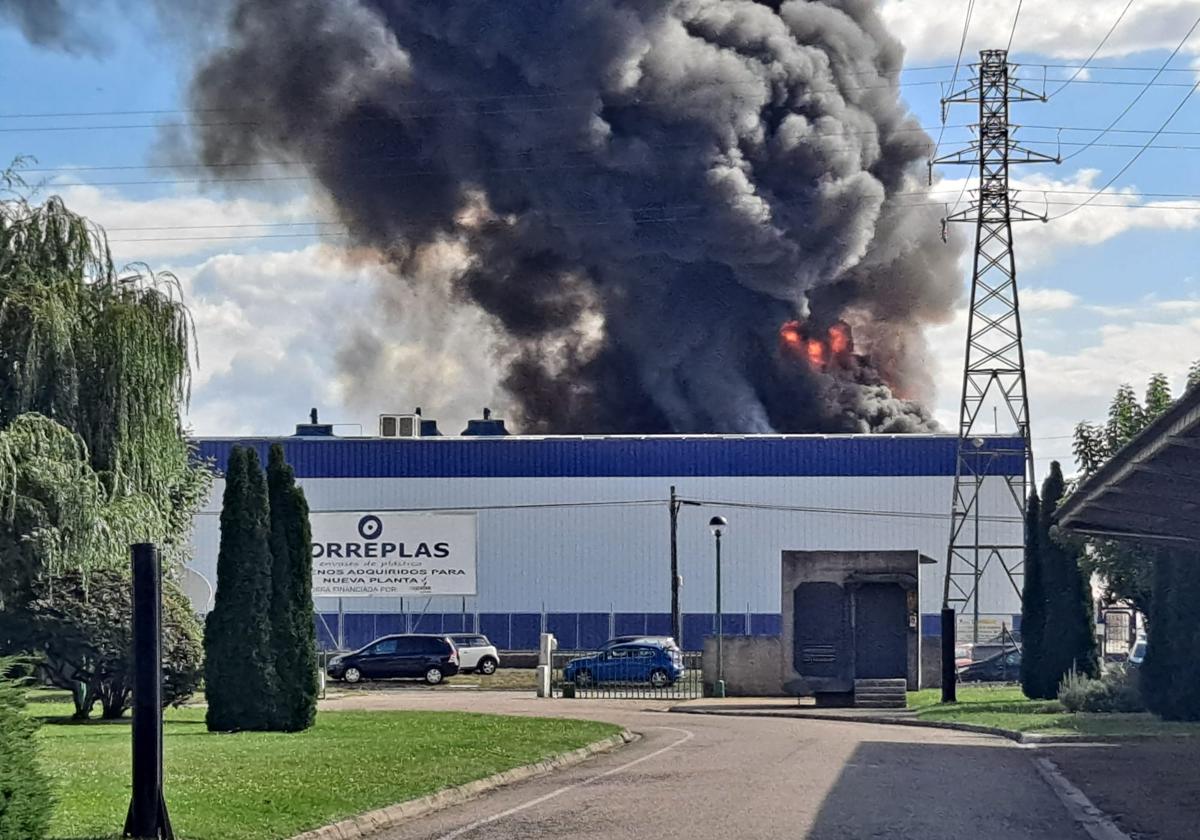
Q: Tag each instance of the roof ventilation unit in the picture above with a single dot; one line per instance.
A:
(400, 425)
(487, 427)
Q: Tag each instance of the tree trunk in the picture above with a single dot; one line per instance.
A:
(84, 699)
(114, 700)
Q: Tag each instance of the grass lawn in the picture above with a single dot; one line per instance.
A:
(1005, 706)
(269, 785)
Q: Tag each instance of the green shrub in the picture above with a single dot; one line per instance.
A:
(81, 630)
(24, 792)
(1116, 690)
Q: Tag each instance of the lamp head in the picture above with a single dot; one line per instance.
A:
(718, 525)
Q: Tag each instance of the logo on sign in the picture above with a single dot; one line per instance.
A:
(370, 527)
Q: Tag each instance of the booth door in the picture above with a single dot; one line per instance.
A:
(820, 644)
(880, 632)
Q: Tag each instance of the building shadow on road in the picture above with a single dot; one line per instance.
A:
(1151, 788)
(941, 791)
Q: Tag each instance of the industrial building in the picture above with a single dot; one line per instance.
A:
(573, 533)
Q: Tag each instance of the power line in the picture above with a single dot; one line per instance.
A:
(149, 112)
(588, 106)
(1095, 52)
(962, 43)
(842, 511)
(1013, 31)
(474, 508)
(1191, 208)
(1137, 155)
(657, 147)
(547, 168)
(1141, 93)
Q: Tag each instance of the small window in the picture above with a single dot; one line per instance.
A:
(431, 644)
(620, 652)
(407, 645)
(385, 648)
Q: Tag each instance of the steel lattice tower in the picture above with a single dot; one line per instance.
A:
(994, 373)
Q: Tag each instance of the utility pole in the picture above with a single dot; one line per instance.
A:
(994, 372)
(676, 579)
(675, 617)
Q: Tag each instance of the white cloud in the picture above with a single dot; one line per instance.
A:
(1047, 300)
(189, 223)
(271, 325)
(932, 29)
(1115, 211)
(1123, 345)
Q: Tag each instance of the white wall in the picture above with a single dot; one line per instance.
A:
(597, 559)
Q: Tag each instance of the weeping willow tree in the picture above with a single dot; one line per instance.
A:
(95, 367)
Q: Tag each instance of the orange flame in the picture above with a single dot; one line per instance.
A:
(839, 338)
(789, 335)
(815, 351)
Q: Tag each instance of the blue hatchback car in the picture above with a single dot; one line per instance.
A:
(645, 662)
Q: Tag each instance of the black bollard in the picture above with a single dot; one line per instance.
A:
(949, 672)
(147, 816)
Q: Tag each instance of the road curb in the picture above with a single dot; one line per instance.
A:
(1031, 738)
(1097, 824)
(372, 822)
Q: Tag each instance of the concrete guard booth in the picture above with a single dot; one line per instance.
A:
(849, 616)
(851, 626)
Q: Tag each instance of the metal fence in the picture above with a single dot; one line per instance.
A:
(590, 674)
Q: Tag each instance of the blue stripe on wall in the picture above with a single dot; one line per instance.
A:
(515, 457)
(521, 631)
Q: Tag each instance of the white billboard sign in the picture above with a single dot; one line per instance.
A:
(392, 554)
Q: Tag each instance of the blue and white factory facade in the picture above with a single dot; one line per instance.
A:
(551, 559)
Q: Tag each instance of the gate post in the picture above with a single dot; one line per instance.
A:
(546, 647)
(949, 672)
(147, 817)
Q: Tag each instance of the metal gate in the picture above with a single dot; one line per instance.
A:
(600, 674)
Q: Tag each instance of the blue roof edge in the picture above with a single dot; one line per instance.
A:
(652, 456)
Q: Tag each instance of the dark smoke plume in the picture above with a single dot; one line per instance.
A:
(80, 26)
(646, 189)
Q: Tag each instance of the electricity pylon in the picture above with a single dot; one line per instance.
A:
(994, 373)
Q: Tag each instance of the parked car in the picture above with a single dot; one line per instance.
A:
(1001, 667)
(638, 662)
(665, 641)
(1137, 654)
(431, 658)
(475, 653)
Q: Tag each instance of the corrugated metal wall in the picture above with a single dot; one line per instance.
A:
(616, 559)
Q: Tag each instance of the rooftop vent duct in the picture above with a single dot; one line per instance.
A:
(314, 428)
(487, 427)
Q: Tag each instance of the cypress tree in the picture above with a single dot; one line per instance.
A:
(1183, 693)
(293, 630)
(1033, 607)
(240, 680)
(1156, 673)
(1069, 637)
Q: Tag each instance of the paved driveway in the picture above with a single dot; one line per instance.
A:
(704, 778)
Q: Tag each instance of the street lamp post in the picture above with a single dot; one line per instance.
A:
(718, 525)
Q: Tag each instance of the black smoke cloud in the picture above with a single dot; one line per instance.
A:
(81, 26)
(645, 189)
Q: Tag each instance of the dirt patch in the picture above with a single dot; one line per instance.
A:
(1151, 789)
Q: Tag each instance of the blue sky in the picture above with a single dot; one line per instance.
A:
(1112, 292)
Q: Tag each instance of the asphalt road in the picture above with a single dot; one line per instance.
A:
(704, 778)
